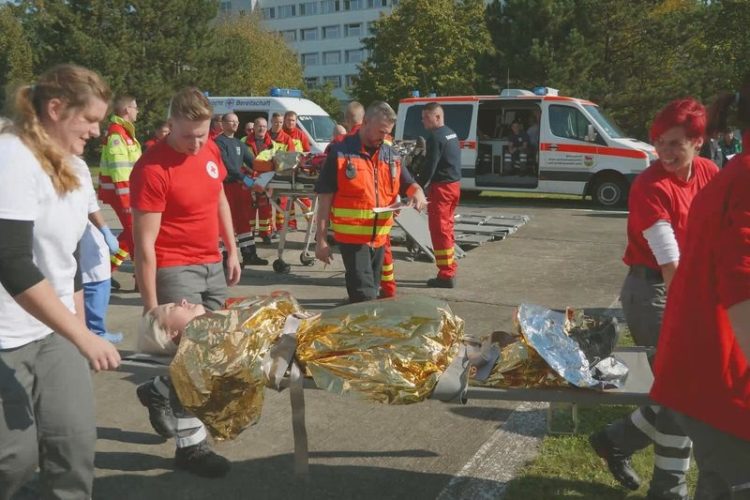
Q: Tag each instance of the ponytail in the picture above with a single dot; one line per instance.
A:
(730, 109)
(74, 85)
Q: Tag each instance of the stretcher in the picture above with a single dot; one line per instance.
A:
(295, 177)
(635, 391)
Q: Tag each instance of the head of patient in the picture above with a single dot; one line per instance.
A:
(162, 327)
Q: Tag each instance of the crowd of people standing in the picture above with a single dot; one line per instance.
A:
(188, 206)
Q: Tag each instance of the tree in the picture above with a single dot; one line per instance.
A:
(249, 60)
(322, 95)
(426, 45)
(15, 53)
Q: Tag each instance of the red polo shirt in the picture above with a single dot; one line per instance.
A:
(700, 370)
(659, 195)
(185, 189)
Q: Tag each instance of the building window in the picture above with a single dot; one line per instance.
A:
(311, 82)
(331, 32)
(354, 56)
(394, 2)
(350, 80)
(284, 11)
(310, 59)
(225, 6)
(370, 27)
(308, 34)
(376, 4)
(289, 35)
(353, 29)
(329, 6)
(268, 13)
(335, 80)
(353, 4)
(308, 8)
(332, 57)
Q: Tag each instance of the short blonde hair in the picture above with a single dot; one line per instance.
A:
(190, 104)
(153, 336)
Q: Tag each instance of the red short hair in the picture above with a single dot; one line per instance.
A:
(686, 113)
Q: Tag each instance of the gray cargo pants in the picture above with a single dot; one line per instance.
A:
(47, 419)
(643, 298)
(199, 284)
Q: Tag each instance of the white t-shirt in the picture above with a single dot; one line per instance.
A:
(94, 256)
(27, 194)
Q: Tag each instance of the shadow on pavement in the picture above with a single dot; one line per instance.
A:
(267, 478)
(112, 434)
(528, 487)
(608, 215)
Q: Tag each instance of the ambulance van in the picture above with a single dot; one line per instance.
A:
(311, 118)
(535, 142)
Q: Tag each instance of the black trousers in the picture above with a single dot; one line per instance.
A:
(363, 265)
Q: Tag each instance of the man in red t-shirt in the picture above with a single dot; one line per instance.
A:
(180, 210)
(301, 145)
(702, 368)
(659, 202)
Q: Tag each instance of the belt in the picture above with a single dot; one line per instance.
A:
(646, 272)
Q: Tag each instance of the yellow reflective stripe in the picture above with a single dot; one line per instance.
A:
(352, 229)
(387, 268)
(447, 251)
(353, 213)
(388, 277)
(444, 262)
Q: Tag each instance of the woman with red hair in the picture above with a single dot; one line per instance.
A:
(702, 372)
(659, 202)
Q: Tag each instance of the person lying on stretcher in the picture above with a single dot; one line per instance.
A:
(162, 327)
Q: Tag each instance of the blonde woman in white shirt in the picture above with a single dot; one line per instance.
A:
(45, 348)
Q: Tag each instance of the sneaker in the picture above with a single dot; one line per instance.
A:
(441, 283)
(252, 259)
(617, 462)
(111, 337)
(200, 460)
(160, 412)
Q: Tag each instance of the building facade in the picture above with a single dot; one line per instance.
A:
(326, 34)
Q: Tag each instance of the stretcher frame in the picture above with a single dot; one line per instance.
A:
(635, 391)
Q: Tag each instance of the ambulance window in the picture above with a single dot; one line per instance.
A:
(457, 117)
(319, 127)
(568, 122)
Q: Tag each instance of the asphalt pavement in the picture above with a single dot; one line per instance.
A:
(568, 254)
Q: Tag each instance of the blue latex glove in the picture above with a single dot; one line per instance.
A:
(248, 181)
(111, 240)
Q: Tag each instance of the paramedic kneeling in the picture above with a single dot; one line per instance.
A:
(360, 174)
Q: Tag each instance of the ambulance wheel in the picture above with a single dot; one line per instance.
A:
(281, 267)
(306, 260)
(610, 191)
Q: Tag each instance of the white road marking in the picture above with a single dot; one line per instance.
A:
(487, 474)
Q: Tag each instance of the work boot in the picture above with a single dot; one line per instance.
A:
(160, 412)
(200, 460)
(617, 462)
(115, 284)
(441, 282)
(269, 239)
(250, 258)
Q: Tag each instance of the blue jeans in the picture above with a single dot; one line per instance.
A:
(95, 303)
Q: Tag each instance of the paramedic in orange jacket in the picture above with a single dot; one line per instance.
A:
(360, 174)
(301, 145)
(262, 146)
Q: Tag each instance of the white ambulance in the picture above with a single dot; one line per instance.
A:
(535, 142)
(311, 118)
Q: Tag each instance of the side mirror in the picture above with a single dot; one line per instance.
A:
(590, 134)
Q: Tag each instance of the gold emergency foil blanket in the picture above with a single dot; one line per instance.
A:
(390, 351)
(217, 369)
